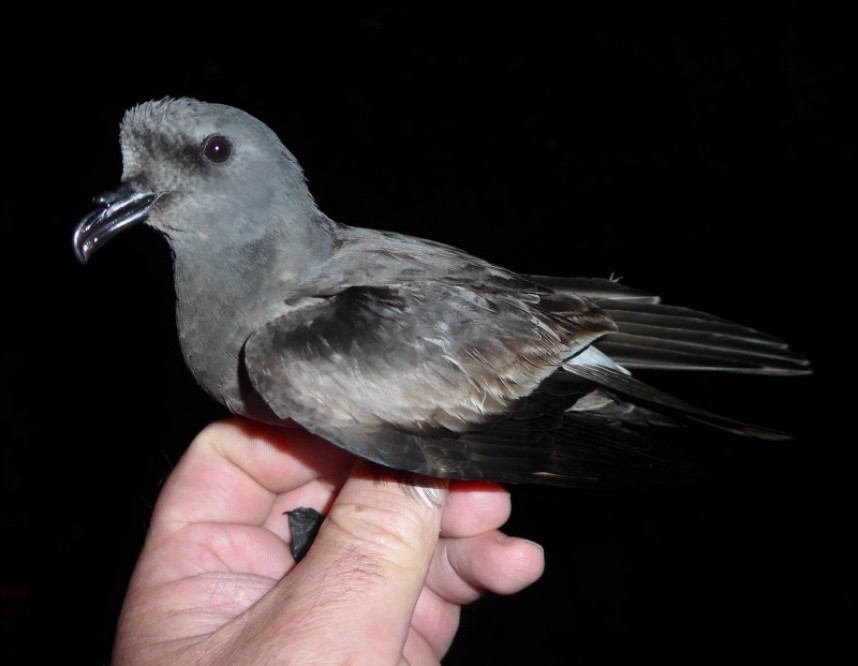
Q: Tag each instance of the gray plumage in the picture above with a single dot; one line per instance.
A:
(411, 353)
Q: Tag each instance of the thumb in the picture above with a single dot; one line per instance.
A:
(352, 598)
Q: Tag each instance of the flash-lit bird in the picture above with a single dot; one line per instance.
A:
(410, 353)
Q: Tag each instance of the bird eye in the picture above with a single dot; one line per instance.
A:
(217, 148)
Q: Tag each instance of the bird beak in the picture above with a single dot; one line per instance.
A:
(116, 211)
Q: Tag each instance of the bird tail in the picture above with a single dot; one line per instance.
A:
(634, 402)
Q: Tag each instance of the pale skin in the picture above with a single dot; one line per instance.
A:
(382, 584)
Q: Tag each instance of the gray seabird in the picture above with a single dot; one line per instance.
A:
(410, 353)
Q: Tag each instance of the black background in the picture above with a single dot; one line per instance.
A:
(704, 155)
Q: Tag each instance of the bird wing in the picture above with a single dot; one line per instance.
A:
(665, 337)
(656, 336)
(471, 381)
(444, 379)
(418, 355)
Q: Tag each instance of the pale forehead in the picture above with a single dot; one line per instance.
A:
(172, 130)
(188, 117)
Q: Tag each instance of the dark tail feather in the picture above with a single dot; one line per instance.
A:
(661, 402)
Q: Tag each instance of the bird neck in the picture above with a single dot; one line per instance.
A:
(236, 289)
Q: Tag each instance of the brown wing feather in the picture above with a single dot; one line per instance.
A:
(420, 356)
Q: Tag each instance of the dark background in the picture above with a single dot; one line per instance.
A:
(705, 156)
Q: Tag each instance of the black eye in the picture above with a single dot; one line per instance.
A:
(217, 148)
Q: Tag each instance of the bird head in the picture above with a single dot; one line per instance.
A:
(197, 172)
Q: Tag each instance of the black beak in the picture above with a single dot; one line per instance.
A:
(116, 211)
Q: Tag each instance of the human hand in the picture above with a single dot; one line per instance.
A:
(382, 584)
